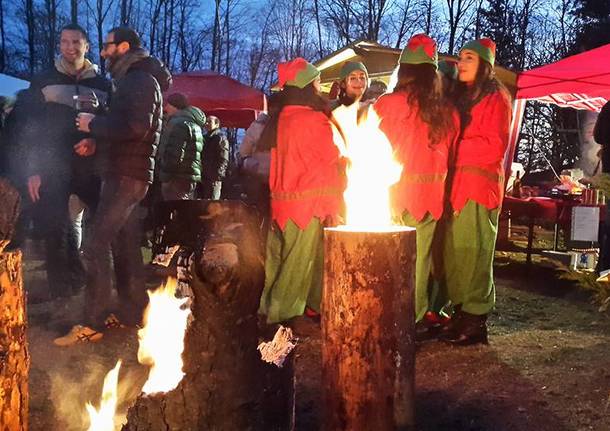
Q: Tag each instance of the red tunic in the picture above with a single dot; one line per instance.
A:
(421, 188)
(306, 177)
(479, 164)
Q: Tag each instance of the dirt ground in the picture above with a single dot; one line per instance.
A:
(547, 366)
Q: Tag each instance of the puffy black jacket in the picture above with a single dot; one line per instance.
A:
(132, 125)
(215, 158)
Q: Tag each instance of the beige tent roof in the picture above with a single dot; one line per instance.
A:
(380, 61)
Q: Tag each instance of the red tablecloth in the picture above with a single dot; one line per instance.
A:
(545, 209)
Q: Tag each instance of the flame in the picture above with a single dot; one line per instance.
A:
(162, 338)
(103, 419)
(371, 172)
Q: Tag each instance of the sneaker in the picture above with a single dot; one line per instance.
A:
(78, 334)
(113, 322)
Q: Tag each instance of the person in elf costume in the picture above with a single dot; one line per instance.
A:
(476, 192)
(306, 182)
(423, 128)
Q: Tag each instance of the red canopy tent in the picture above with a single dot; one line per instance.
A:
(235, 104)
(581, 81)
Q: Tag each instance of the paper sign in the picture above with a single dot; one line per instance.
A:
(585, 224)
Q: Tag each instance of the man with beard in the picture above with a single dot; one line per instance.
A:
(47, 166)
(131, 130)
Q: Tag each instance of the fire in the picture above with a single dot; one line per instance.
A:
(371, 172)
(103, 419)
(162, 338)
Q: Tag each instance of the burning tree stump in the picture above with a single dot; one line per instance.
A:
(9, 212)
(368, 354)
(222, 388)
(14, 357)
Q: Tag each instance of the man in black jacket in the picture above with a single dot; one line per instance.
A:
(215, 159)
(46, 165)
(131, 129)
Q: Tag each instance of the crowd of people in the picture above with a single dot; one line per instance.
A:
(85, 150)
(77, 143)
(448, 124)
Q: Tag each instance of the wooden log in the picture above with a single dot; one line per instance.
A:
(224, 376)
(368, 352)
(14, 356)
(9, 212)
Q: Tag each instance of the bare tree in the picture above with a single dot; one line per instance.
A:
(216, 37)
(126, 7)
(31, 31)
(316, 9)
(100, 13)
(338, 17)
(74, 11)
(457, 13)
(51, 33)
(227, 31)
(257, 54)
(290, 28)
(407, 15)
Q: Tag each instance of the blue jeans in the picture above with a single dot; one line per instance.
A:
(116, 228)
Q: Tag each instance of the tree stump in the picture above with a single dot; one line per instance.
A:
(368, 354)
(224, 376)
(14, 357)
(9, 212)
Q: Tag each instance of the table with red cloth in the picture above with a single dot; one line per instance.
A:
(544, 209)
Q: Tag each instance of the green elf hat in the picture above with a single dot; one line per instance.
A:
(352, 66)
(421, 49)
(448, 68)
(485, 48)
(296, 73)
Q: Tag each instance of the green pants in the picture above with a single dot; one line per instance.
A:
(468, 254)
(294, 268)
(425, 230)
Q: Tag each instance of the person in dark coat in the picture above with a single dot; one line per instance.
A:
(215, 159)
(179, 156)
(131, 129)
(46, 167)
(601, 134)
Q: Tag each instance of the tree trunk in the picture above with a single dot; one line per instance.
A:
(223, 386)
(2, 38)
(29, 15)
(14, 357)
(215, 66)
(368, 352)
(74, 11)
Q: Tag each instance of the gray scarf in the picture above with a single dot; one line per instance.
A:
(119, 68)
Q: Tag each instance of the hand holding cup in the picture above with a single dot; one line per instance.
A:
(82, 121)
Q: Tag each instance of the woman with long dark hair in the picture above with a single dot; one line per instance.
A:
(422, 127)
(476, 188)
(306, 181)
